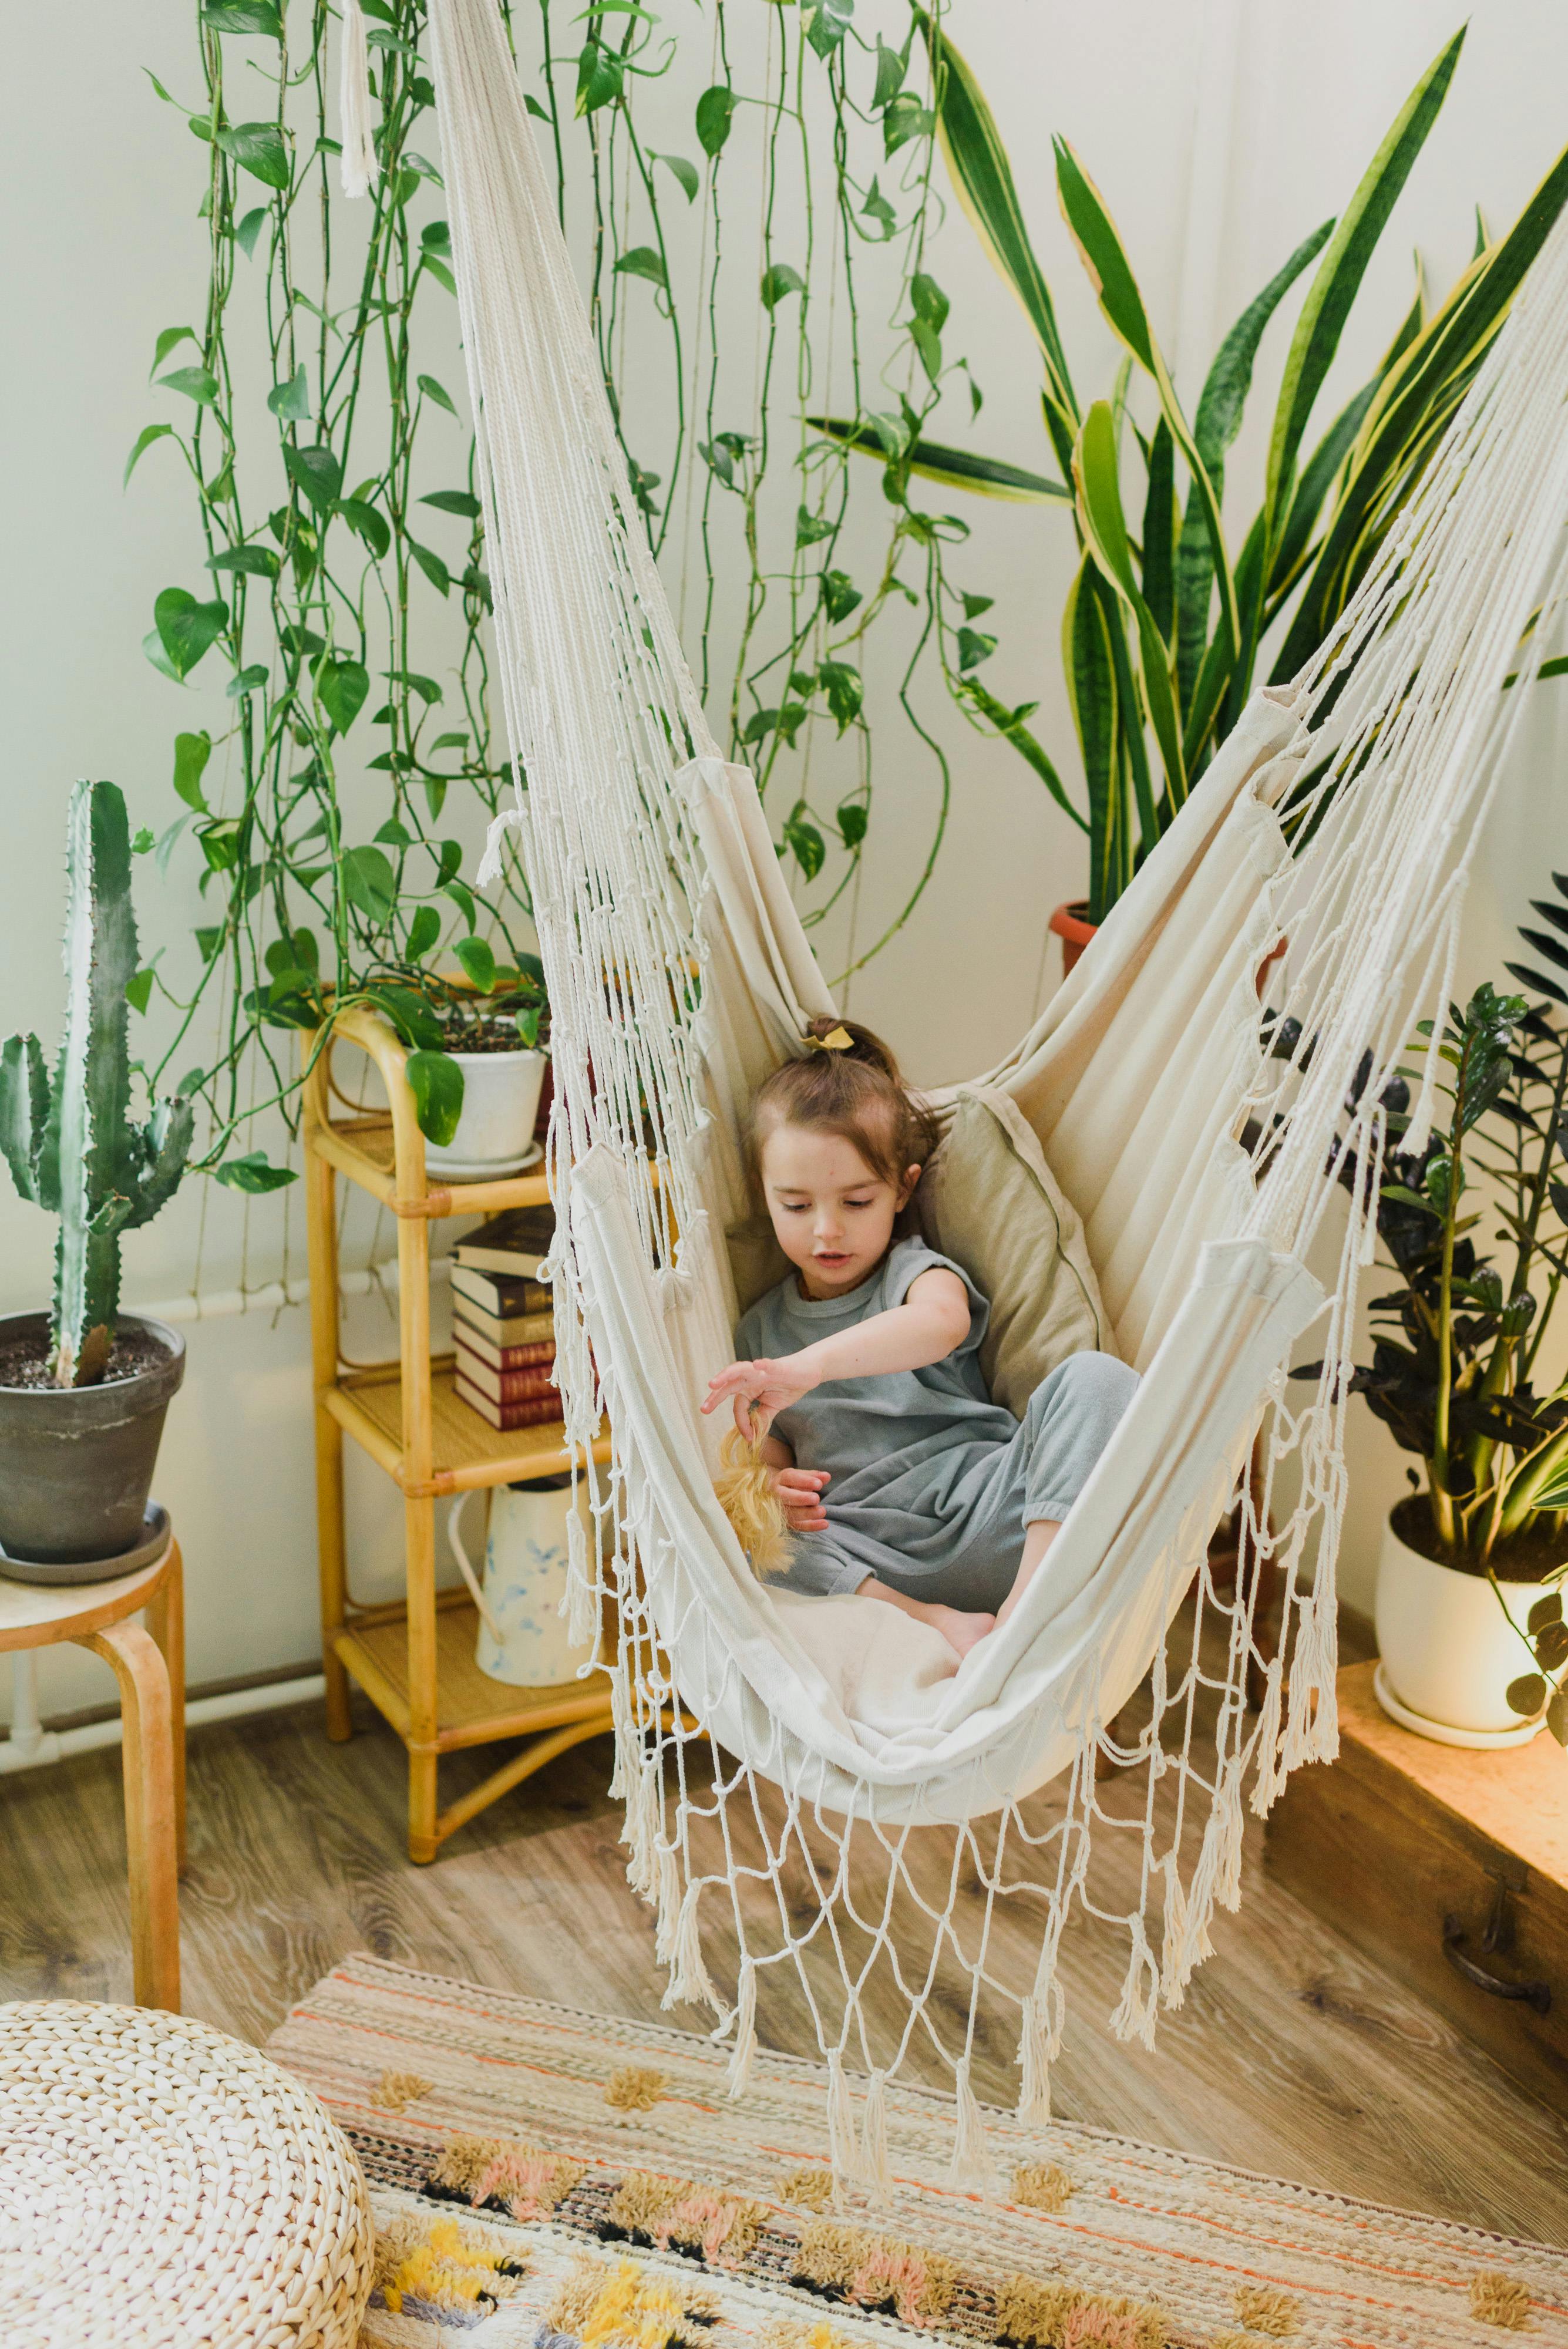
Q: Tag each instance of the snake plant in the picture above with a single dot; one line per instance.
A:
(70, 1141)
(1163, 633)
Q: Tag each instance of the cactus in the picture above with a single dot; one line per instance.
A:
(71, 1144)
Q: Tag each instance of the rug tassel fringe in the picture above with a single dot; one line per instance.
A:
(358, 165)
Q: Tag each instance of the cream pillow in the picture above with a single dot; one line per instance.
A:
(988, 1200)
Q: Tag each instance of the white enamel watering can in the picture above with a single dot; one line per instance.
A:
(523, 1637)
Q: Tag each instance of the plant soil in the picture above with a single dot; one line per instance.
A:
(1525, 1557)
(500, 1038)
(133, 1352)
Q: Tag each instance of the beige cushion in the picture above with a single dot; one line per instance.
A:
(988, 1200)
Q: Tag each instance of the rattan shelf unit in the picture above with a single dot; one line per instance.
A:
(414, 1658)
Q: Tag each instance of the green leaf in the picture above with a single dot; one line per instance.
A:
(170, 340)
(253, 1173)
(685, 172)
(779, 281)
(291, 400)
(368, 883)
(144, 842)
(839, 595)
(191, 753)
(258, 147)
(194, 382)
(1110, 273)
(978, 163)
(876, 207)
(598, 78)
(433, 390)
(973, 648)
(461, 896)
(455, 502)
(430, 563)
(246, 681)
(810, 527)
(366, 523)
(340, 688)
(1339, 275)
(955, 469)
(715, 112)
(144, 439)
(248, 230)
(825, 22)
(853, 818)
(892, 65)
(905, 118)
(317, 474)
(1525, 1695)
(186, 628)
(139, 990)
(642, 262)
(426, 688)
(423, 932)
(540, 113)
(257, 16)
(842, 688)
(259, 560)
(805, 844)
(478, 961)
(436, 1083)
(1545, 1610)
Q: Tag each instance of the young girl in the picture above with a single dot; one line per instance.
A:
(862, 1368)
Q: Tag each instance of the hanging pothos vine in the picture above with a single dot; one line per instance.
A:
(345, 591)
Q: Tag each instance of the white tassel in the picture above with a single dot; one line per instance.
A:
(1175, 1955)
(1269, 1782)
(666, 1877)
(841, 2147)
(1229, 1825)
(642, 1810)
(509, 820)
(875, 2173)
(356, 165)
(971, 2163)
(1134, 2017)
(1036, 2050)
(739, 2075)
(691, 1983)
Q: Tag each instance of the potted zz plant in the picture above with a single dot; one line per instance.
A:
(84, 1388)
(1470, 1627)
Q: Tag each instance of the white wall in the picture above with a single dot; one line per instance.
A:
(1218, 130)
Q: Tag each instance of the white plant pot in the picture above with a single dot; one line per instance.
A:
(1447, 1651)
(496, 1131)
(522, 1638)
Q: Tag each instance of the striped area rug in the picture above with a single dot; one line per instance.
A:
(549, 2180)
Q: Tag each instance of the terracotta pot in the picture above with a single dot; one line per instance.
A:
(1072, 926)
(1448, 1650)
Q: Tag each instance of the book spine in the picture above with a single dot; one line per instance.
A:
(515, 1386)
(533, 1329)
(501, 1293)
(537, 1413)
(507, 1358)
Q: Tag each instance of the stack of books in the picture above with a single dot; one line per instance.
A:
(502, 1327)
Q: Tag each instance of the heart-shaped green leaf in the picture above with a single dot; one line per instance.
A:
(317, 475)
(340, 688)
(368, 883)
(257, 148)
(436, 1083)
(186, 628)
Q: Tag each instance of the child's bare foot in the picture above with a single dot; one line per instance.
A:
(961, 1631)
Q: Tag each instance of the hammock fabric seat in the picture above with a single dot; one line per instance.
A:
(1338, 819)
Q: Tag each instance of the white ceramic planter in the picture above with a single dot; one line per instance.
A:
(496, 1132)
(1447, 1651)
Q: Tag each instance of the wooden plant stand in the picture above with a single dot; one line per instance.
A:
(413, 1657)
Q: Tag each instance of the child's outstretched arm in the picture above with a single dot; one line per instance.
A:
(933, 1319)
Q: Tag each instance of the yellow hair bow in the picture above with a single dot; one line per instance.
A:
(837, 1040)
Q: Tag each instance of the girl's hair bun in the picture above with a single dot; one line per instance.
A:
(854, 1089)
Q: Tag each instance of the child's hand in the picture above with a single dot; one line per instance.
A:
(800, 1497)
(758, 1391)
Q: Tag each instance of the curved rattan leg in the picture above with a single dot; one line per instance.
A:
(149, 1828)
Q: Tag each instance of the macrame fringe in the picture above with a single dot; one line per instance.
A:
(1134, 2016)
(738, 2078)
(1175, 1959)
(1269, 1782)
(640, 1827)
(1312, 1725)
(1039, 2039)
(491, 864)
(690, 1981)
(356, 164)
(668, 1904)
(875, 2174)
(842, 2149)
(971, 2163)
(1228, 1827)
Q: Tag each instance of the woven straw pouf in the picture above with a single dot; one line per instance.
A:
(162, 2187)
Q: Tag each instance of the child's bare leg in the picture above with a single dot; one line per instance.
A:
(1038, 1537)
(961, 1631)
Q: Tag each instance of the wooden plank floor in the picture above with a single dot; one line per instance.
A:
(1293, 2055)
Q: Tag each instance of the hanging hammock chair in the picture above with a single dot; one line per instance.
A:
(789, 1760)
